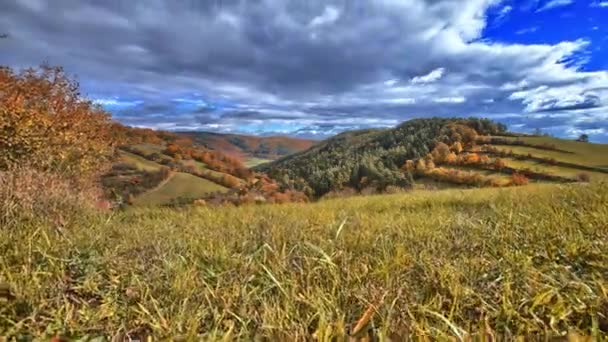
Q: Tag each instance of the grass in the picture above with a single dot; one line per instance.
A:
(201, 167)
(528, 261)
(587, 154)
(253, 161)
(180, 186)
(139, 162)
(553, 169)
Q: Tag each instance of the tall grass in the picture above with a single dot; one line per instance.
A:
(518, 262)
(29, 193)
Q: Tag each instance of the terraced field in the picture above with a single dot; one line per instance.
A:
(588, 154)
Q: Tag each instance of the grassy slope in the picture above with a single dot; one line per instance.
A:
(588, 154)
(139, 162)
(553, 169)
(251, 162)
(181, 185)
(524, 260)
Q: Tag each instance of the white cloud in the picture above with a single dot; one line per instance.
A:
(603, 4)
(455, 99)
(503, 13)
(330, 14)
(115, 102)
(554, 4)
(430, 77)
(527, 30)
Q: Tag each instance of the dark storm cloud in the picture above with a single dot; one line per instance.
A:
(314, 66)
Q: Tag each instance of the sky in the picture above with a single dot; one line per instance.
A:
(312, 68)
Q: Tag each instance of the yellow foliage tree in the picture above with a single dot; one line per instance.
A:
(456, 147)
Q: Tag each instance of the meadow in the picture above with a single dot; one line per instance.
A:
(524, 262)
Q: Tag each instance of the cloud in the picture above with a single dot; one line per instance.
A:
(527, 30)
(554, 4)
(330, 14)
(430, 77)
(502, 15)
(295, 66)
(602, 4)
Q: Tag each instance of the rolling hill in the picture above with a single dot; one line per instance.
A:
(471, 152)
(251, 149)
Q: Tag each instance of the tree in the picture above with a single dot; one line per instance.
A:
(47, 125)
(441, 152)
(583, 138)
(456, 147)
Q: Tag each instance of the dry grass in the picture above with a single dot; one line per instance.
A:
(27, 193)
(528, 261)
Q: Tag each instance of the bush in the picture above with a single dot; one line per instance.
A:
(583, 177)
(29, 193)
(48, 126)
(519, 179)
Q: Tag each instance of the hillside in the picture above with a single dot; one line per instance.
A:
(433, 153)
(376, 155)
(251, 149)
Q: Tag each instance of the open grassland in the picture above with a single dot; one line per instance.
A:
(527, 261)
(180, 186)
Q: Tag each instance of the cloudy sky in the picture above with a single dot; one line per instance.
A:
(314, 68)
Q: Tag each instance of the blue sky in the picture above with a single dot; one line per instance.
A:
(315, 68)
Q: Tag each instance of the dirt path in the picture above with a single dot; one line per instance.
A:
(159, 185)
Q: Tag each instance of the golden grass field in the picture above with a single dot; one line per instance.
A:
(528, 261)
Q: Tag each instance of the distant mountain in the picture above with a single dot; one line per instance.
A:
(372, 156)
(246, 147)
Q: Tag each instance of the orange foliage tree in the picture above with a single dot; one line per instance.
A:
(46, 124)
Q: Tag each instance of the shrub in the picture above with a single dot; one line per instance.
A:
(499, 164)
(48, 126)
(30, 193)
(518, 179)
(583, 177)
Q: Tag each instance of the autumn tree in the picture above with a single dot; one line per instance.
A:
(440, 152)
(456, 147)
(46, 124)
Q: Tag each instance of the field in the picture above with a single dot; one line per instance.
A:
(526, 261)
(251, 162)
(588, 154)
(180, 186)
(138, 161)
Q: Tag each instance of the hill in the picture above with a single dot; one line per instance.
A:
(377, 155)
(251, 149)
(434, 152)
